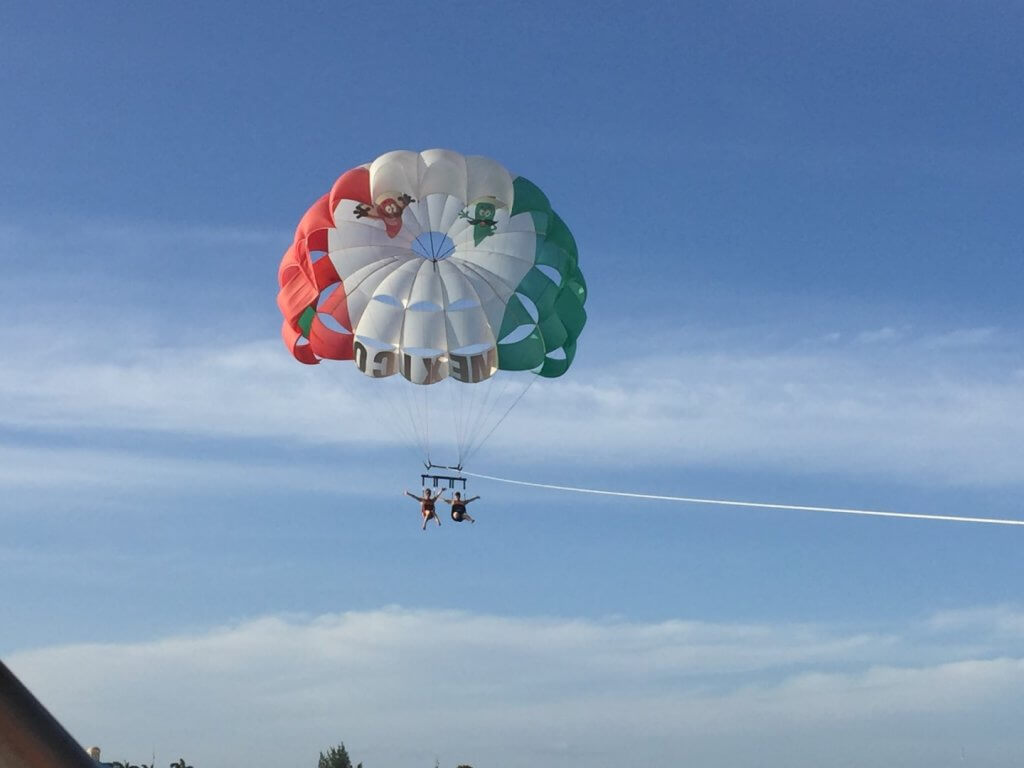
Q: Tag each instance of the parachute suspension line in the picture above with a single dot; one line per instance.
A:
(470, 398)
(392, 422)
(407, 436)
(421, 395)
(508, 410)
(409, 422)
(412, 398)
(422, 441)
(498, 396)
(460, 425)
(475, 412)
(397, 425)
(426, 417)
(501, 398)
(755, 504)
(464, 405)
(414, 420)
(455, 399)
(491, 395)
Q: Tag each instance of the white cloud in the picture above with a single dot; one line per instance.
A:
(880, 336)
(131, 472)
(245, 390)
(402, 686)
(992, 621)
(907, 413)
(964, 338)
(115, 238)
(926, 408)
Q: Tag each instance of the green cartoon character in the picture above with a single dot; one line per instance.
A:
(482, 219)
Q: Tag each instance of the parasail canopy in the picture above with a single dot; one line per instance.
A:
(433, 266)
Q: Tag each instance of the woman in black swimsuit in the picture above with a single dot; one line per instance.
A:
(459, 512)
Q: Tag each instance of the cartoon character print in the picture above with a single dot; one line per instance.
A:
(389, 210)
(482, 220)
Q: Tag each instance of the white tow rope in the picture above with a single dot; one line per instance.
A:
(756, 504)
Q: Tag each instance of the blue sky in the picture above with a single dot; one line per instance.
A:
(801, 230)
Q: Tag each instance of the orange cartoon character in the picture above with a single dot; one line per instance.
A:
(389, 210)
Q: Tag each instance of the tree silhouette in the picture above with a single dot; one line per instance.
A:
(336, 757)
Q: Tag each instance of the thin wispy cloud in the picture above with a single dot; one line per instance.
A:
(999, 622)
(132, 472)
(880, 336)
(141, 240)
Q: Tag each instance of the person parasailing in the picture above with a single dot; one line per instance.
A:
(427, 503)
(459, 512)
